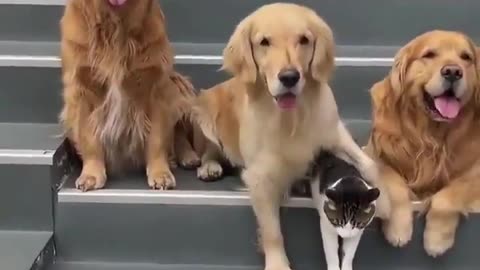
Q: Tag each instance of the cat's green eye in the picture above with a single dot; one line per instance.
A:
(331, 206)
(369, 209)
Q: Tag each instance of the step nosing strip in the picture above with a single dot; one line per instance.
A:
(34, 2)
(178, 197)
(54, 61)
(173, 197)
(26, 157)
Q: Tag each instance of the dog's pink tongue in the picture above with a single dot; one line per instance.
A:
(448, 107)
(117, 2)
(287, 102)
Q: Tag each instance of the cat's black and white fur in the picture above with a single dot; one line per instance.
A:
(346, 205)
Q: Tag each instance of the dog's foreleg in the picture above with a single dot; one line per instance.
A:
(350, 151)
(266, 194)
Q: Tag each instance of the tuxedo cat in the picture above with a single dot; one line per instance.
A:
(346, 205)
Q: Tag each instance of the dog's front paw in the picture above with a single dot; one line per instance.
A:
(398, 229)
(210, 171)
(439, 234)
(279, 267)
(172, 162)
(436, 243)
(161, 180)
(189, 160)
(88, 181)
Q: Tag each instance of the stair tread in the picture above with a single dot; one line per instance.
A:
(19, 249)
(29, 136)
(187, 180)
(140, 266)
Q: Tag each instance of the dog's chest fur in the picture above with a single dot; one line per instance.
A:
(289, 141)
(122, 127)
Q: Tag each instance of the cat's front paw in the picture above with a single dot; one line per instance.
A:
(398, 229)
(347, 267)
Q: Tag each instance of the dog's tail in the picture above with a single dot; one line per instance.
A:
(187, 93)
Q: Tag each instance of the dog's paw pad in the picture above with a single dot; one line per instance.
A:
(397, 234)
(436, 244)
(86, 182)
(190, 160)
(162, 180)
(210, 171)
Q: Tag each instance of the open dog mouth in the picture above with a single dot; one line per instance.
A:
(445, 106)
(117, 3)
(286, 101)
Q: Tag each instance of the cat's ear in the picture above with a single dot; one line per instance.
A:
(373, 194)
(331, 194)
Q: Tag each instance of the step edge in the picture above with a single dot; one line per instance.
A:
(34, 2)
(26, 157)
(45, 61)
(177, 197)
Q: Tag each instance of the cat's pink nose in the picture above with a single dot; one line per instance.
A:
(117, 2)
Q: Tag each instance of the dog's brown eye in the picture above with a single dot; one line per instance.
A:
(304, 40)
(265, 42)
(429, 54)
(465, 56)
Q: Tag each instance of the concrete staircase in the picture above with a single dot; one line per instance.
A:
(46, 224)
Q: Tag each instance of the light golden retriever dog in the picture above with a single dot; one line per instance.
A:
(276, 112)
(426, 135)
(122, 99)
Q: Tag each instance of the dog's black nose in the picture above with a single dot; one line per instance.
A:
(289, 77)
(452, 73)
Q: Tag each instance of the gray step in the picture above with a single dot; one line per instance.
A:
(366, 22)
(30, 75)
(26, 155)
(211, 225)
(26, 197)
(26, 250)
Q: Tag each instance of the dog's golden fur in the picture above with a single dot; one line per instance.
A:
(421, 157)
(245, 124)
(122, 98)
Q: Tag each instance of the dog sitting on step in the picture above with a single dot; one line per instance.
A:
(123, 102)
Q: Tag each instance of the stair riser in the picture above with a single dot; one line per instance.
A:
(226, 235)
(372, 22)
(25, 197)
(39, 90)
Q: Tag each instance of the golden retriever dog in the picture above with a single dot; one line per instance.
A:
(426, 135)
(276, 112)
(122, 98)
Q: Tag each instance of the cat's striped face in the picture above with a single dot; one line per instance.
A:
(347, 217)
(349, 205)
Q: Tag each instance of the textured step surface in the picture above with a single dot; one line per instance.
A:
(366, 22)
(19, 250)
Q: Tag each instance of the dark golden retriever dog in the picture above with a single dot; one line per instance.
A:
(122, 98)
(426, 135)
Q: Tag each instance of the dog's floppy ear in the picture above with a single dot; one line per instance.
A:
(323, 58)
(476, 59)
(238, 55)
(399, 69)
